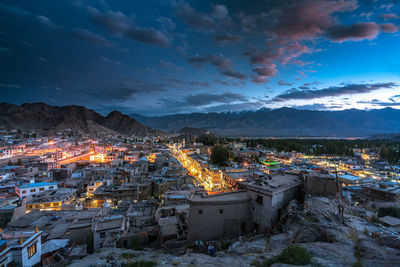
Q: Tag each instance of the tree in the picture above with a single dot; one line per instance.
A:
(19, 162)
(219, 155)
(10, 163)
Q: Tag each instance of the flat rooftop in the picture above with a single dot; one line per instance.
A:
(234, 196)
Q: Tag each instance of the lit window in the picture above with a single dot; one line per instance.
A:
(23, 191)
(56, 204)
(47, 205)
(32, 250)
(41, 189)
(33, 190)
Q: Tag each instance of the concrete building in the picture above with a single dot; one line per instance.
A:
(33, 188)
(51, 200)
(22, 248)
(224, 215)
(321, 184)
(108, 229)
(269, 197)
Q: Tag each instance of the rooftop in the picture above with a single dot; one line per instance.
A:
(36, 185)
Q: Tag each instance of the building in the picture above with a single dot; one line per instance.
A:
(22, 248)
(51, 200)
(108, 229)
(382, 191)
(269, 197)
(321, 184)
(217, 216)
(33, 188)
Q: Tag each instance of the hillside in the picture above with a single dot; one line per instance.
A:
(40, 116)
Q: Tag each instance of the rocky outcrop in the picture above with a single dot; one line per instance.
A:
(314, 226)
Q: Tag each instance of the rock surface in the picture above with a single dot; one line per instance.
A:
(315, 226)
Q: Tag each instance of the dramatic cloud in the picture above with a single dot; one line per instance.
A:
(218, 18)
(120, 25)
(88, 36)
(77, 33)
(10, 85)
(317, 106)
(205, 99)
(389, 16)
(358, 31)
(170, 65)
(283, 83)
(123, 89)
(223, 65)
(333, 91)
(268, 58)
(227, 38)
(307, 19)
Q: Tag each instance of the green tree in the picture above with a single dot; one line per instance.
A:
(219, 155)
(10, 163)
(19, 162)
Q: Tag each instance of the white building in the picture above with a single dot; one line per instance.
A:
(32, 189)
(21, 248)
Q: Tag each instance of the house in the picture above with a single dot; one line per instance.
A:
(22, 248)
(54, 251)
(108, 228)
(217, 216)
(33, 188)
(269, 197)
(51, 199)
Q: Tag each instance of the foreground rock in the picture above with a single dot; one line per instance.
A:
(315, 226)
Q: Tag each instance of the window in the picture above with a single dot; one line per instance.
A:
(29, 207)
(37, 206)
(32, 250)
(102, 234)
(56, 204)
(41, 189)
(259, 200)
(200, 211)
(23, 191)
(33, 190)
(221, 211)
(51, 187)
(47, 205)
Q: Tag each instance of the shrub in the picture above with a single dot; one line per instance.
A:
(294, 255)
(129, 255)
(141, 264)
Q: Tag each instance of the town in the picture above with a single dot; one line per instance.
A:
(67, 196)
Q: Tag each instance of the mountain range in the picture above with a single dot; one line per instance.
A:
(41, 116)
(284, 122)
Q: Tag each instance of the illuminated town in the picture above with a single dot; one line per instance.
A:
(155, 189)
(208, 133)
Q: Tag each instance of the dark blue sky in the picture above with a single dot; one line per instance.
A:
(157, 57)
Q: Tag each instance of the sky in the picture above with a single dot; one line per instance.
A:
(159, 57)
